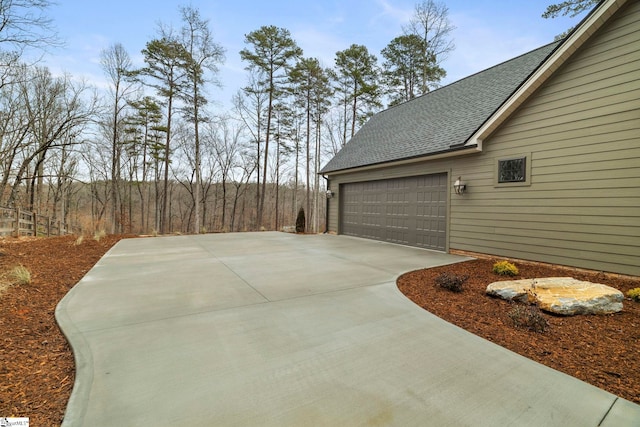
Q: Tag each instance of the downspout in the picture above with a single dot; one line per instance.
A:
(326, 208)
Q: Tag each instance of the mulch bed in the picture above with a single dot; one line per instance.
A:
(603, 350)
(37, 369)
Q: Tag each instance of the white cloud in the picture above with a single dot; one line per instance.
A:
(400, 15)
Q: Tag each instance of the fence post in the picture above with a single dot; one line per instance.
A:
(16, 230)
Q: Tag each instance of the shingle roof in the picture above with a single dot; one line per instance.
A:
(439, 121)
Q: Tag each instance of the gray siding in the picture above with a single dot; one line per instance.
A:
(581, 133)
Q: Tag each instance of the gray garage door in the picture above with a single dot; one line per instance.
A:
(410, 211)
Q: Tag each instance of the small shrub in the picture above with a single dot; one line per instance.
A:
(79, 241)
(634, 294)
(99, 235)
(528, 317)
(300, 221)
(21, 275)
(451, 282)
(505, 268)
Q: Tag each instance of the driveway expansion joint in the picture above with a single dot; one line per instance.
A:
(239, 363)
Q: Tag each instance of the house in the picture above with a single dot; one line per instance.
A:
(547, 146)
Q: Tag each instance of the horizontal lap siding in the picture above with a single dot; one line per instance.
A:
(582, 131)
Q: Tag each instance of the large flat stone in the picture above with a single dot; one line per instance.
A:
(561, 295)
(511, 290)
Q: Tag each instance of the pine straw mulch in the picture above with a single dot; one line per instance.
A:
(603, 350)
(37, 369)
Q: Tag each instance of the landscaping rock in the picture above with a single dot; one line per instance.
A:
(561, 295)
(511, 290)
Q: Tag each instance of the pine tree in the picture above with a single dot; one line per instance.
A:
(271, 55)
(168, 64)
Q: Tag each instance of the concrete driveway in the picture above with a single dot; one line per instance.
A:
(283, 330)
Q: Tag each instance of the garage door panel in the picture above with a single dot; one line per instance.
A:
(351, 198)
(410, 211)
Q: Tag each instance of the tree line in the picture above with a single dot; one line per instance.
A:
(151, 154)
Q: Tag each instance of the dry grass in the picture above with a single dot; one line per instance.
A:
(4, 286)
(99, 235)
(20, 275)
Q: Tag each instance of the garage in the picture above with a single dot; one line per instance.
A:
(410, 211)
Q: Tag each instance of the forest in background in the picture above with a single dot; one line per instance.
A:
(150, 153)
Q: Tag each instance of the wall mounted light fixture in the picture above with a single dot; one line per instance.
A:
(329, 194)
(459, 186)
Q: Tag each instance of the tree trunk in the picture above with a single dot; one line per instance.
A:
(266, 153)
(354, 110)
(308, 160)
(316, 211)
(165, 201)
(115, 167)
(197, 159)
(224, 203)
(277, 181)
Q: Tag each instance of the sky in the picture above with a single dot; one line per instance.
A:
(487, 32)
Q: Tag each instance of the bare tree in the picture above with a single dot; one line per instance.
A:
(23, 25)
(62, 170)
(206, 55)
(117, 65)
(184, 170)
(96, 159)
(54, 107)
(250, 105)
(334, 135)
(246, 165)
(14, 128)
(431, 23)
(226, 140)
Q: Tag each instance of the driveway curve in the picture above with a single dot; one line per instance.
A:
(275, 329)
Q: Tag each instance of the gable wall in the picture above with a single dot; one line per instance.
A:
(581, 132)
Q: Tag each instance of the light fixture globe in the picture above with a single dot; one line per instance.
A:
(459, 186)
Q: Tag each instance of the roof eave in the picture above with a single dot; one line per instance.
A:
(454, 152)
(594, 21)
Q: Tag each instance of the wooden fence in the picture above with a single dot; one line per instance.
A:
(18, 222)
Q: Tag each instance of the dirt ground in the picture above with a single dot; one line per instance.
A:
(603, 350)
(37, 367)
